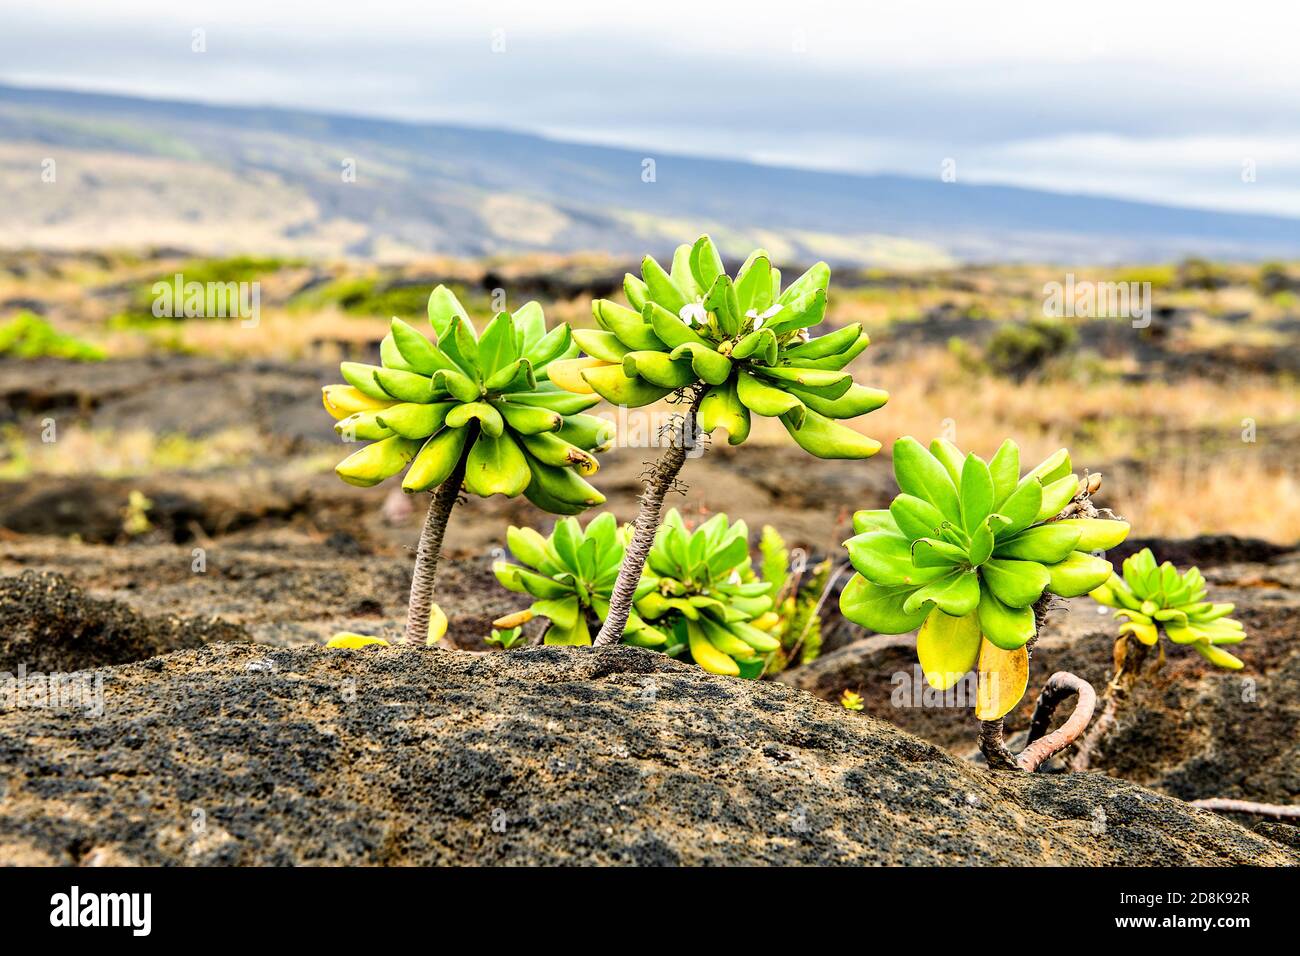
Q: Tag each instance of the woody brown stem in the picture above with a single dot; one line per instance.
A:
(427, 553)
(682, 437)
(1041, 745)
(994, 748)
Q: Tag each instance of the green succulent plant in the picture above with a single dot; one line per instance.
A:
(744, 340)
(570, 576)
(506, 638)
(699, 587)
(468, 409)
(964, 553)
(797, 591)
(735, 347)
(427, 399)
(1151, 598)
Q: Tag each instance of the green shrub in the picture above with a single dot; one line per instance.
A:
(1150, 599)
(964, 553)
(1019, 349)
(797, 591)
(570, 576)
(29, 336)
(699, 588)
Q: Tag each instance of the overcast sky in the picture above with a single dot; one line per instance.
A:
(1157, 101)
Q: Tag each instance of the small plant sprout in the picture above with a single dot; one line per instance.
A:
(971, 553)
(729, 348)
(570, 576)
(851, 700)
(1151, 598)
(506, 639)
(468, 410)
(700, 589)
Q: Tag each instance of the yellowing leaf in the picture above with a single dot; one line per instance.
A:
(567, 373)
(437, 625)
(1003, 676)
(948, 647)
(501, 623)
(350, 641)
(1144, 631)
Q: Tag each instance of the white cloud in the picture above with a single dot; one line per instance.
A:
(1152, 101)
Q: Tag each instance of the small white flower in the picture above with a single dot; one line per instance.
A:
(693, 312)
(735, 578)
(760, 319)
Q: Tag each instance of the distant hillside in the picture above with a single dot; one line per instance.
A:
(136, 172)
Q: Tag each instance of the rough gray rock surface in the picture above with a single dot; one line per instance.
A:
(48, 624)
(240, 754)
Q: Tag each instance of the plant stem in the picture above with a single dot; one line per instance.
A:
(1226, 805)
(682, 436)
(993, 748)
(426, 555)
(1041, 745)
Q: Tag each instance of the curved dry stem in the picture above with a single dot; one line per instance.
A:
(1041, 745)
(427, 553)
(682, 437)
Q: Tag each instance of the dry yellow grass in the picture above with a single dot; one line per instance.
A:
(931, 395)
(112, 454)
(1240, 496)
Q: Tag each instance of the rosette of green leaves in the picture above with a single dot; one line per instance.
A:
(570, 575)
(1149, 598)
(700, 588)
(964, 553)
(481, 398)
(745, 340)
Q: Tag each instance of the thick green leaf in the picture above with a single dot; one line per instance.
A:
(1078, 574)
(443, 307)
(976, 492)
(1006, 627)
(1015, 583)
(864, 521)
(920, 474)
(956, 593)
(1004, 467)
(721, 407)
(878, 608)
(497, 347)
(916, 517)
(1021, 507)
(886, 559)
(706, 264)
(1101, 534)
(1056, 496)
(932, 553)
(820, 436)
(1044, 543)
